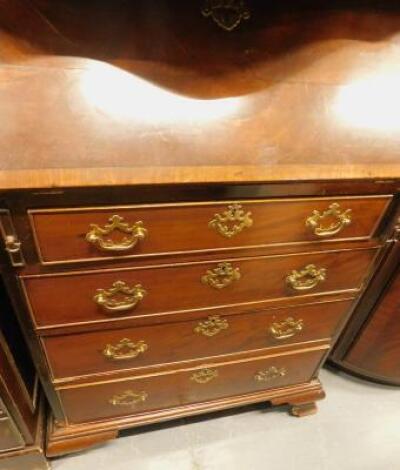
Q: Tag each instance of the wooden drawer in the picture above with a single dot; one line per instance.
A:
(67, 235)
(135, 348)
(75, 297)
(211, 381)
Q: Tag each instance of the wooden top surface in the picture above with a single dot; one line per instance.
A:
(130, 93)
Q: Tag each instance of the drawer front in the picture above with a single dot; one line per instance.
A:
(67, 235)
(134, 348)
(212, 381)
(76, 298)
(10, 438)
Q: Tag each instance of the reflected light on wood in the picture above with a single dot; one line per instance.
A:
(122, 95)
(372, 103)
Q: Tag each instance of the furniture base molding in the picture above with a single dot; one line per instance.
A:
(26, 459)
(67, 439)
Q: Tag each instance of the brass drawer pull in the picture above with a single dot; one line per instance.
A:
(222, 276)
(228, 14)
(270, 374)
(128, 398)
(286, 329)
(204, 376)
(124, 350)
(120, 297)
(212, 326)
(307, 278)
(330, 222)
(232, 221)
(98, 236)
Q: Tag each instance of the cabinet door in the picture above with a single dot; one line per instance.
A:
(376, 351)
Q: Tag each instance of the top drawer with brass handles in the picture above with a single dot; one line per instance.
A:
(90, 234)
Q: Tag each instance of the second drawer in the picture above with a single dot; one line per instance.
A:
(75, 298)
(134, 348)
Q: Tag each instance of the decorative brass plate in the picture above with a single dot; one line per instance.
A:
(232, 221)
(307, 278)
(222, 276)
(336, 218)
(124, 350)
(204, 376)
(98, 236)
(286, 329)
(270, 374)
(120, 297)
(128, 398)
(228, 14)
(212, 326)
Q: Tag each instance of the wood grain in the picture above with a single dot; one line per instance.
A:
(183, 228)
(278, 100)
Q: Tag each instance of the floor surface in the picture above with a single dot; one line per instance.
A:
(357, 428)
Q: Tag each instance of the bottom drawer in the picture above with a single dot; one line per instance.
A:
(126, 397)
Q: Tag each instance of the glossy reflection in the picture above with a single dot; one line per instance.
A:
(372, 103)
(124, 96)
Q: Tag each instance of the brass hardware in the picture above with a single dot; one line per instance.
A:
(286, 329)
(98, 235)
(212, 326)
(222, 276)
(228, 14)
(128, 398)
(338, 221)
(11, 243)
(270, 374)
(120, 297)
(232, 221)
(307, 278)
(204, 376)
(124, 350)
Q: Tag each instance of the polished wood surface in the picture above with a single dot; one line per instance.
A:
(184, 341)
(176, 389)
(295, 95)
(183, 228)
(69, 299)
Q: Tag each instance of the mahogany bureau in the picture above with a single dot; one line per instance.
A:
(189, 227)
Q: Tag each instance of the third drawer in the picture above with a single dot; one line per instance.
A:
(134, 348)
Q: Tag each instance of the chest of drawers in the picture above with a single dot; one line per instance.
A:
(191, 218)
(146, 312)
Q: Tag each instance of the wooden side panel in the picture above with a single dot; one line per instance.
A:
(112, 400)
(61, 234)
(69, 299)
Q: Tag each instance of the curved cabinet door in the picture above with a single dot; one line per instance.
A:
(377, 349)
